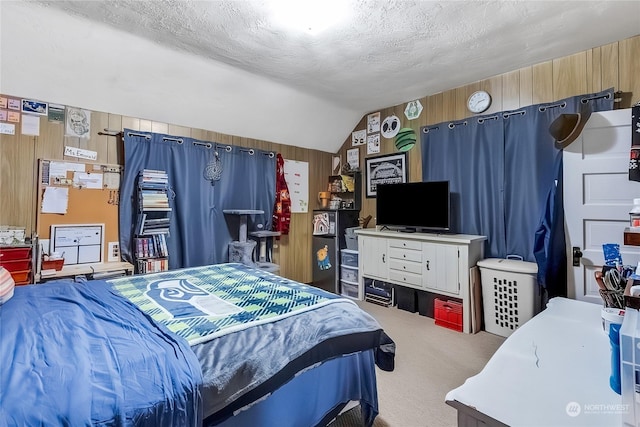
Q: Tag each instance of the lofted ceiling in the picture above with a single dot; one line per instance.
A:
(279, 85)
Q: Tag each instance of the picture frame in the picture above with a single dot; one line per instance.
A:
(31, 106)
(385, 169)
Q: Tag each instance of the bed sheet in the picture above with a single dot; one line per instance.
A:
(77, 354)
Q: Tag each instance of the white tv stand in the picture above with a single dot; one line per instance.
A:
(437, 263)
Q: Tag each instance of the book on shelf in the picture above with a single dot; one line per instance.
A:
(154, 185)
(140, 224)
(154, 221)
(155, 231)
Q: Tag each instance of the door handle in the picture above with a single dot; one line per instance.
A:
(577, 254)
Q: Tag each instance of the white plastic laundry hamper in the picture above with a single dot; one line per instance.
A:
(510, 294)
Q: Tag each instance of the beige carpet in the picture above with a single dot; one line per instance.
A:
(430, 361)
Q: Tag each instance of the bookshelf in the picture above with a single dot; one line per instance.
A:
(151, 232)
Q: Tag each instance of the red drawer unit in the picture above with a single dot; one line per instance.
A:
(17, 260)
(16, 265)
(11, 253)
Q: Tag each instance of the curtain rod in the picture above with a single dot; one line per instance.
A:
(110, 132)
(454, 124)
(144, 135)
(561, 105)
(168, 138)
(585, 100)
(507, 115)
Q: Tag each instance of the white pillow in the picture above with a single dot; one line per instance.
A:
(7, 285)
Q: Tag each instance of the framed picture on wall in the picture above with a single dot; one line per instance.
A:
(387, 169)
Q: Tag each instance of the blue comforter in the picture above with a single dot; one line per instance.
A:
(76, 354)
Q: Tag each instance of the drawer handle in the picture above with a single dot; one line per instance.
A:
(427, 265)
(383, 255)
(404, 256)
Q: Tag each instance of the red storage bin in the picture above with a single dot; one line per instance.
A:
(21, 277)
(55, 264)
(448, 314)
(18, 265)
(12, 254)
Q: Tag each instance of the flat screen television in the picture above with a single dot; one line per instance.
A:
(414, 206)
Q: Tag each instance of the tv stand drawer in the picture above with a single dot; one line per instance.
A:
(407, 266)
(402, 277)
(405, 244)
(405, 255)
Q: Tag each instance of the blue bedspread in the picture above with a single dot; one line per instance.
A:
(77, 354)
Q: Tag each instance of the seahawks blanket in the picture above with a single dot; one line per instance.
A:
(201, 303)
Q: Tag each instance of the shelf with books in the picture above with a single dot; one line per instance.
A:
(153, 222)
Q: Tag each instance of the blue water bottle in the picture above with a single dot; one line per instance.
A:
(614, 339)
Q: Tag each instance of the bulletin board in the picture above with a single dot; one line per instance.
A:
(92, 196)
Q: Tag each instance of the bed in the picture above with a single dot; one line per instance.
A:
(220, 345)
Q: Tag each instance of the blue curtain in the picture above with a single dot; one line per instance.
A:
(469, 154)
(199, 232)
(507, 176)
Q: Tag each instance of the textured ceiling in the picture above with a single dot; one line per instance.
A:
(385, 53)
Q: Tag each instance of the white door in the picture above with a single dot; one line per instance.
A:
(598, 197)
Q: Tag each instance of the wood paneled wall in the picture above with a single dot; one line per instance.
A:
(19, 163)
(615, 65)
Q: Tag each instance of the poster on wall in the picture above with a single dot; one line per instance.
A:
(386, 169)
(358, 137)
(413, 109)
(353, 158)
(373, 122)
(373, 143)
(78, 122)
(30, 125)
(297, 176)
(30, 106)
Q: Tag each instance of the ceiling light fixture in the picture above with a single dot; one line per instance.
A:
(311, 16)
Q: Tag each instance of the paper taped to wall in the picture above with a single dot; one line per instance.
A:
(55, 200)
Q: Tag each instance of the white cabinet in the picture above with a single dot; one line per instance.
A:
(437, 263)
(372, 261)
(441, 263)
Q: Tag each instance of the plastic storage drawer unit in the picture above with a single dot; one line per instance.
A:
(349, 257)
(510, 294)
(349, 274)
(349, 289)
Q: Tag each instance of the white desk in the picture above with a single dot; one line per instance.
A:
(97, 270)
(552, 371)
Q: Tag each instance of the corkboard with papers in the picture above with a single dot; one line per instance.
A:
(78, 193)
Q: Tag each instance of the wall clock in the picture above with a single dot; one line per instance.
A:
(479, 101)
